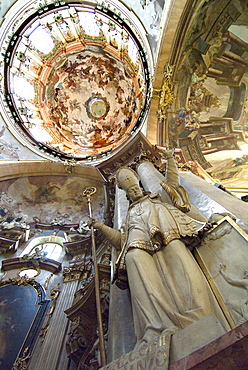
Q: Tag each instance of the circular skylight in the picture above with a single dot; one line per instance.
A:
(78, 80)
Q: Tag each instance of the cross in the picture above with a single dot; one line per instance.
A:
(190, 227)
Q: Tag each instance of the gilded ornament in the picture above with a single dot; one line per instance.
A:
(22, 362)
(54, 295)
(70, 165)
(47, 281)
(179, 196)
(164, 94)
(76, 272)
(21, 280)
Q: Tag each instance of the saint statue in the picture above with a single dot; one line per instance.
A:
(168, 289)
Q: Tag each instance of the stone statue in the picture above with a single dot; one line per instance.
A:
(36, 257)
(168, 289)
(241, 307)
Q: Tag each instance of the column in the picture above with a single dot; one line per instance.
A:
(209, 199)
(49, 357)
(121, 338)
(151, 179)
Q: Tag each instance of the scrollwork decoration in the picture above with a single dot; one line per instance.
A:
(164, 94)
(54, 295)
(22, 362)
(76, 272)
(21, 280)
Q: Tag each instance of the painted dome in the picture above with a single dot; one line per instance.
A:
(89, 102)
(78, 81)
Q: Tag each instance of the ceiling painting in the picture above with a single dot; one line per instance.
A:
(151, 11)
(48, 199)
(208, 117)
(78, 80)
(11, 148)
(90, 102)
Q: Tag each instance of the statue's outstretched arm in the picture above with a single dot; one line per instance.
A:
(113, 236)
(172, 174)
(177, 193)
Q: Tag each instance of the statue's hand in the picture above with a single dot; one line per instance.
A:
(93, 222)
(167, 152)
(215, 217)
(157, 239)
(222, 267)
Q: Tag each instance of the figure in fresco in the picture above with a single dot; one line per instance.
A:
(156, 10)
(168, 289)
(6, 148)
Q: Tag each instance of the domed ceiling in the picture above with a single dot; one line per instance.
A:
(77, 80)
(89, 101)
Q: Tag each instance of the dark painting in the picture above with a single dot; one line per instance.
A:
(18, 310)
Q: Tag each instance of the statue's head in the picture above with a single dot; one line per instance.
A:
(128, 180)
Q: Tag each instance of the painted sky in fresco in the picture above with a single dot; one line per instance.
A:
(150, 13)
(49, 198)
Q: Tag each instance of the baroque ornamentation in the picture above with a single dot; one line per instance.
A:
(54, 296)
(21, 280)
(22, 362)
(70, 165)
(36, 257)
(77, 271)
(24, 280)
(47, 281)
(76, 342)
(200, 98)
(88, 82)
(164, 94)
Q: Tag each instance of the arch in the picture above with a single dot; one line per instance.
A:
(42, 240)
(236, 101)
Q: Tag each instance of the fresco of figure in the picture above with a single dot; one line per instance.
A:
(168, 289)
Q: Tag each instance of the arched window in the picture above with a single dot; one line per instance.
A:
(51, 250)
(31, 273)
(45, 247)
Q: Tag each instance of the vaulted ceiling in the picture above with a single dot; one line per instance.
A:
(79, 81)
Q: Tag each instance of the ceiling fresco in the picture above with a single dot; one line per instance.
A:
(90, 102)
(207, 118)
(78, 80)
(151, 12)
(48, 199)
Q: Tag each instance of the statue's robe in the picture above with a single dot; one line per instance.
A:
(168, 289)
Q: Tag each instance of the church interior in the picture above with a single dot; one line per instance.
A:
(88, 87)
